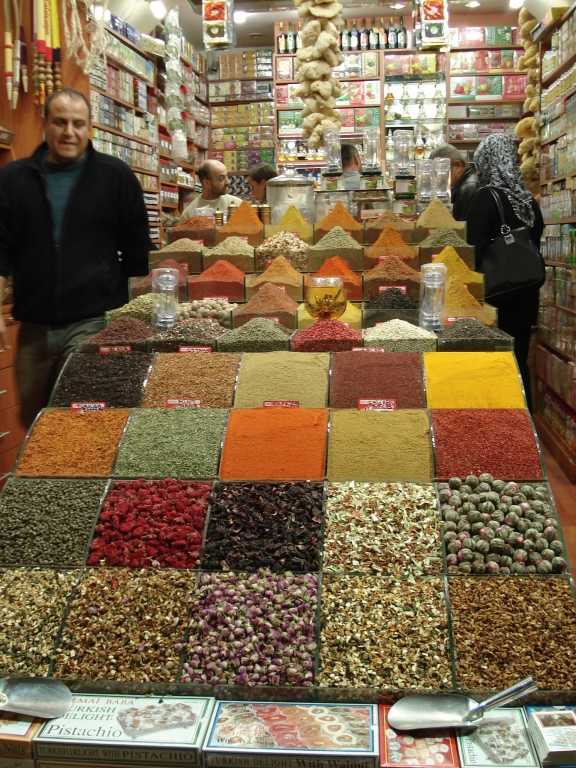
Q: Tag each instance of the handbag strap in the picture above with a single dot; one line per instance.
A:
(504, 228)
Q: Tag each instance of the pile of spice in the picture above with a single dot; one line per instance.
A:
(379, 445)
(498, 441)
(400, 336)
(326, 336)
(234, 250)
(197, 228)
(279, 273)
(455, 266)
(292, 221)
(389, 238)
(140, 285)
(383, 633)
(116, 380)
(244, 222)
(172, 442)
(148, 523)
(67, 444)
(70, 506)
(339, 217)
(32, 605)
(221, 280)
(283, 376)
(264, 525)
(275, 444)
(458, 296)
(193, 375)
(482, 380)
(468, 335)
(373, 375)
(391, 298)
(390, 243)
(441, 237)
(192, 332)
(270, 301)
(388, 528)
(139, 308)
(257, 335)
(528, 626)
(491, 526)
(125, 624)
(219, 310)
(284, 244)
(184, 251)
(435, 215)
(337, 242)
(402, 226)
(338, 267)
(125, 331)
(263, 652)
(391, 272)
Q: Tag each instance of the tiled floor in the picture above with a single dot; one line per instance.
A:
(565, 496)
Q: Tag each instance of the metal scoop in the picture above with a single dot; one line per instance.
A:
(35, 696)
(450, 710)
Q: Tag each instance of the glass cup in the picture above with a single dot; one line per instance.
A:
(326, 298)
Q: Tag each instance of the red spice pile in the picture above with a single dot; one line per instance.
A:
(145, 523)
(222, 279)
(326, 336)
(337, 267)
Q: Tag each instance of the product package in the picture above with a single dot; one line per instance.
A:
(16, 734)
(426, 748)
(501, 739)
(553, 733)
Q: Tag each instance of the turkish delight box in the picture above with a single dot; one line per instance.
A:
(488, 86)
(501, 739)
(247, 734)
(16, 734)
(553, 732)
(127, 730)
(344, 97)
(514, 86)
(366, 117)
(426, 748)
(372, 92)
(462, 88)
(357, 93)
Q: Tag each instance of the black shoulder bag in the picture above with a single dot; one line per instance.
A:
(511, 263)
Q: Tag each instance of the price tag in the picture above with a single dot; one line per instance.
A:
(451, 320)
(348, 232)
(239, 237)
(200, 242)
(274, 319)
(296, 234)
(432, 230)
(391, 255)
(115, 350)
(184, 350)
(280, 287)
(376, 405)
(369, 349)
(215, 298)
(281, 404)
(382, 288)
(87, 407)
(183, 402)
(373, 213)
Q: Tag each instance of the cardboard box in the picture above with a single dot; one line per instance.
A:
(502, 739)
(488, 87)
(370, 64)
(366, 117)
(403, 749)
(462, 88)
(347, 119)
(372, 92)
(499, 36)
(16, 734)
(357, 93)
(471, 37)
(514, 86)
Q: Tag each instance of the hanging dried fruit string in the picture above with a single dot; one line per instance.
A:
(8, 47)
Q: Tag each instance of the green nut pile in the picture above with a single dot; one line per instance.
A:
(494, 527)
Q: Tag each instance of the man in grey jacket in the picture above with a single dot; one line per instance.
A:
(462, 178)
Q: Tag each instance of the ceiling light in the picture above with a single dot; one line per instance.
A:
(158, 8)
(515, 4)
(255, 34)
(472, 4)
(240, 17)
(98, 12)
(398, 5)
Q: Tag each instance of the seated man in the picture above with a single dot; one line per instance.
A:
(214, 179)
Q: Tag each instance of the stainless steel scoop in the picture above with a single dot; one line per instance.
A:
(451, 710)
(35, 696)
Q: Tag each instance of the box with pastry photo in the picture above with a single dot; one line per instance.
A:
(406, 749)
(126, 731)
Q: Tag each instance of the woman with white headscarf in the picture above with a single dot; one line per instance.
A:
(496, 161)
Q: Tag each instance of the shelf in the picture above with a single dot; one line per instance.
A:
(303, 163)
(185, 164)
(169, 205)
(492, 119)
(560, 70)
(414, 78)
(557, 178)
(558, 264)
(235, 103)
(557, 306)
(400, 123)
(244, 79)
(166, 156)
(192, 67)
(123, 103)
(129, 43)
(558, 352)
(477, 141)
(551, 141)
(557, 447)
(201, 122)
(480, 102)
(488, 48)
(560, 221)
(202, 100)
(199, 146)
(6, 147)
(122, 64)
(137, 169)
(558, 99)
(128, 136)
(184, 186)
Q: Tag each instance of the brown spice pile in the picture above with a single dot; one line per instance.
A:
(270, 301)
(403, 227)
(244, 220)
(391, 271)
(458, 296)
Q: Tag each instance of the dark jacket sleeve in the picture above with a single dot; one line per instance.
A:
(134, 230)
(482, 220)
(6, 233)
(464, 197)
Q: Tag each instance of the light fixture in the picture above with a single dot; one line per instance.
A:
(515, 4)
(98, 12)
(240, 17)
(398, 6)
(472, 4)
(158, 8)
(255, 35)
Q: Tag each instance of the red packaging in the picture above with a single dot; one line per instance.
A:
(281, 95)
(403, 749)
(357, 93)
(481, 61)
(347, 119)
(469, 37)
(514, 86)
(494, 61)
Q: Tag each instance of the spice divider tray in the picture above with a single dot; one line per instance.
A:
(273, 229)
(281, 346)
(466, 253)
(488, 315)
(192, 258)
(371, 317)
(504, 344)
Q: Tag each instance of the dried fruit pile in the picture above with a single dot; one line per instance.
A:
(146, 523)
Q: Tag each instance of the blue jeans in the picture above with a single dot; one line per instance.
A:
(41, 353)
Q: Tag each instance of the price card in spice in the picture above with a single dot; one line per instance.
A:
(215, 298)
(115, 349)
(183, 402)
(87, 407)
(280, 287)
(369, 349)
(376, 405)
(281, 404)
(452, 320)
(382, 288)
(185, 350)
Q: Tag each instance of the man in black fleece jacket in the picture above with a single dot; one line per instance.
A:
(73, 228)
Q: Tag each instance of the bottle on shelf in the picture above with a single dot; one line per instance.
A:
(382, 36)
(402, 35)
(416, 27)
(373, 38)
(299, 43)
(345, 40)
(392, 35)
(281, 40)
(419, 147)
(364, 38)
(290, 40)
(354, 37)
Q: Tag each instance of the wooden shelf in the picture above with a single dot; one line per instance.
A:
(6, 147)
(558, 264)
(560, 70)
(477, 141)
(128, 136)
(244, 79)
(169, 205)
(129, 43)
(557, 306)
(558, 178)
(560, 221)
(489, 48)
(551, 141)
(122, 64)
(480, 102)
(557, 447)
(558, 351)
(492, 119)
(560, 98)
(123, 103)
(192, 67)
(199, 146)
(236, 103)
(201, 122)
(137, 169)
(165, 155)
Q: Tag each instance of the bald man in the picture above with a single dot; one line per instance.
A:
(214, 179)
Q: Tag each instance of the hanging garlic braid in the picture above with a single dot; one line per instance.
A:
(77, 50)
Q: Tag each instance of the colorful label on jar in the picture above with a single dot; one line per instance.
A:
(377, 405)
(87, 407)
(331, 185)
(451, 320)
(369, 349)
(115, 350)
(183, 402)
(281, 404)
(382, 288)
(405, 187)
(186, 349)
(280, 287)
(371, 182)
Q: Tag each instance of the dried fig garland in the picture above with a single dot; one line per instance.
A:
(508, 628)
(32, 605)
(126, 625)
(383, 633)
(390, 528)
(264, 525)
